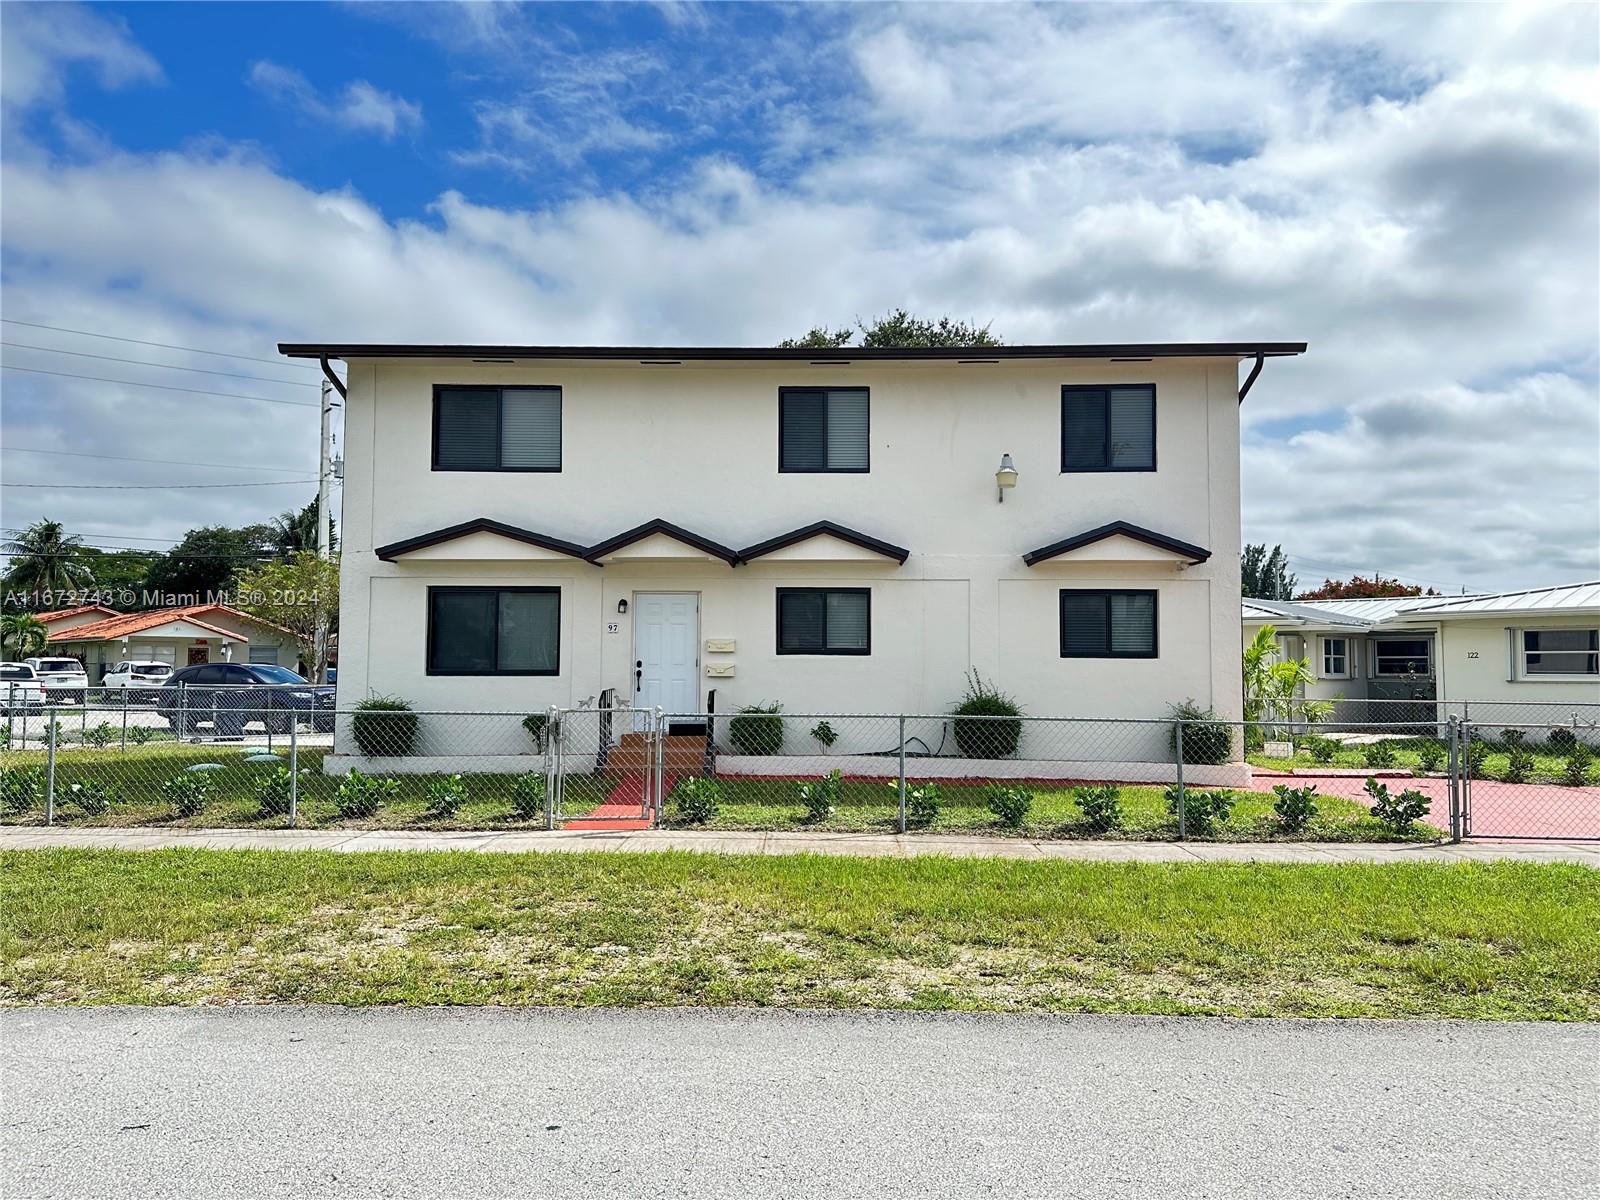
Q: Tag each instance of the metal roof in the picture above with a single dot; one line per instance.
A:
(1580, 598)
(1297, 611)
(1376, 608)
(1565, 598)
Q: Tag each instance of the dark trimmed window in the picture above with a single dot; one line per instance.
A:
(823, 429)
(1401, 657)
(494, 631)
(497, 429)
(1561, 651)
(824, 620)
(1102, 623)
(1108, 428)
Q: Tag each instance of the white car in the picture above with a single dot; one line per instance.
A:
(143, 679)
(20, 688)
(64, 679)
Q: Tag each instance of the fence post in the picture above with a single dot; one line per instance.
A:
(124, 720)
(658, 780)
(50, 776)
(183, 711)
(902, 817)
(1453, 758)
(11, 715)
(1177, 745)
(551, 730)
(294, 769)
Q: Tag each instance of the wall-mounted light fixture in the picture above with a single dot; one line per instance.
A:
(622, 607)
(1006, 476)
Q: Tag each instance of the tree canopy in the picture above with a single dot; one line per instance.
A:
(45, 558)
(896, 329)
(1265, 576)
(1358, 587)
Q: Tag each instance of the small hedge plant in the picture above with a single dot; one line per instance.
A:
(535, 724)
(988, 721)
(1206, 737)
(1578, 767)
(1378, 755)
(187, 793)
(21, 790)
(140, 734)
(1477, 754)
(922, 803)
(1519, 764)
(1398, 813)
(1429, 756)
(1321, 749)
(384, 727)
(1294, 806)
(359, 796)
(758, 729)
(824, 735)
(445, 794)
(1101, 805)
(1010, 805)
(101, 736)
(1561, 740)
(1202, 811)
(273, 790)
(697, 799)
(92, 796)
(820, 796)
(527, 795)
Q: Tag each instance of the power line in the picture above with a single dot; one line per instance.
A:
(167, 462)
(124, 487)
(165, 387)
(140, 362)
(276, 362)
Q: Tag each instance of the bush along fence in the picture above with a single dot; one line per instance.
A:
(243, 761)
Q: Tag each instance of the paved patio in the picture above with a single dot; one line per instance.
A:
(872, 845)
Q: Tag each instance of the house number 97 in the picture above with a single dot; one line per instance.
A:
(613, 627)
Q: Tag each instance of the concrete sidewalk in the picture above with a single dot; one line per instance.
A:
(871, 845)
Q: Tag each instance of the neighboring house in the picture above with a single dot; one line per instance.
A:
(101, 637)
(526, 526)
(1537, 645)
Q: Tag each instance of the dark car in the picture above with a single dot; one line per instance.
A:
(229, 696)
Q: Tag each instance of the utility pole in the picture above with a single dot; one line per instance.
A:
(324, 524)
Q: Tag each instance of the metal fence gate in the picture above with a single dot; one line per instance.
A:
(606, 762)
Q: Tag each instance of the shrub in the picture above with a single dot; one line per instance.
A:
(1561, 740)
(824, 735)
(188, 793)
(995, 726)
(361, 795)
(1294, 806)
(140, 734)
(1519, 764)
(1206, 737)
(1513, 737)
(758, 729)
(384, 726)
(21, 790)
(92, 796)
(698, 798)
(820, 796)
(1202, 811)
(101, 736)
(1322, 749)
(5, 733)
(1576, 770)
(527, 795)
(1379, 754)
(1429, 755)
(1101, 805)
(1400, 812)
(445, 795)
(1011, 805)
(273, 790)
(922, 802)
(1477, 754)
(535, 724)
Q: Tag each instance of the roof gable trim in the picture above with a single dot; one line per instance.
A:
(450, 533)
(825, 528)
(1188, 550)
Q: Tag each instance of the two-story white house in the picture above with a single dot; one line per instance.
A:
(830, 530)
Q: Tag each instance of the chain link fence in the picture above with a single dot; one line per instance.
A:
(268, 757)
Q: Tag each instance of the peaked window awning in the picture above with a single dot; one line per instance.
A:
(825, 541)
(480, 539)
(1119, 541)
(659, 541)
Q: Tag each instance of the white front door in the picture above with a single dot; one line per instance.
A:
(666, 644)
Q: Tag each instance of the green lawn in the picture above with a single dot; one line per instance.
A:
(1501, 941)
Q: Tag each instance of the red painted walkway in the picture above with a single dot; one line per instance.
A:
(621, 809)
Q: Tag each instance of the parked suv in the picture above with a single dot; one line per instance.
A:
(229, 696)
(64, 679)
(20, 688)
(142, 680)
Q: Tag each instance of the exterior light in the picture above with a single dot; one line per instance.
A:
(622, 607)
(1006, 476)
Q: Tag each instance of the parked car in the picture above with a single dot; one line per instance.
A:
(20, 688)
(230, 696)
(141, 679)
(64, 679)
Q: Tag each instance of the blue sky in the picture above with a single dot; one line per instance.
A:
(1413, 189)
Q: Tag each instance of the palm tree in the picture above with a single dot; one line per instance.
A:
(22, 635)
(291, 532)
(44, 558)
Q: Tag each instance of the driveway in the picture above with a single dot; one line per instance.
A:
(295, 1102)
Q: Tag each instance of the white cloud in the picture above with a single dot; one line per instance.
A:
(360, 107)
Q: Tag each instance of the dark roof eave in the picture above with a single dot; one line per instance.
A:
(1195, 554)
(675, 354)
(677, 532)
(479, 525)
(843, 532)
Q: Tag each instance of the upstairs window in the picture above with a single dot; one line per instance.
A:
(1108, 624)
(1561, 651)
(822, 429)
(824, 621)
(494, 631)
(497, 429)
(1108, 428)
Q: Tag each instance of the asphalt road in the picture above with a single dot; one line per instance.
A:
(294, 1102)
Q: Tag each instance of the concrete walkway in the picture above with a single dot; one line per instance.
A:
(872, 845)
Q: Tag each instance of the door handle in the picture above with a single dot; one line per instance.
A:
(638, 675)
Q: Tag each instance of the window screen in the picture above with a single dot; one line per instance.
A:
(494, 631)
(1108, 624)
(1108, 428)
(824, 621)
(823, 429)
(497, 429)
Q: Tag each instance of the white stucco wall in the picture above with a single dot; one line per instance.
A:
(697, 446)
